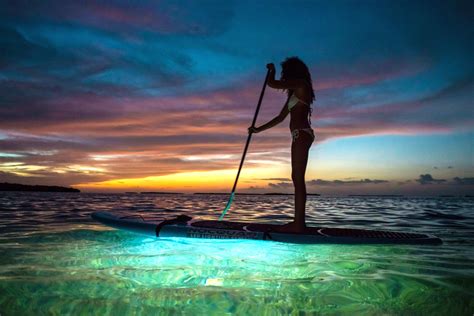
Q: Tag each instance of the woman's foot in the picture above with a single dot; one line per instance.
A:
(292, 227)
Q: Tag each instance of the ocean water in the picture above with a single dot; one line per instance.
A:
(55, 260)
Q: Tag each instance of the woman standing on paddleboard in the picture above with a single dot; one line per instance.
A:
(296, 80)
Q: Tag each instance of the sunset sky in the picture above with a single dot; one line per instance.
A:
(157, 96)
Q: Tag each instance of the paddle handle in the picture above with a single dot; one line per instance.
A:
(246, 147)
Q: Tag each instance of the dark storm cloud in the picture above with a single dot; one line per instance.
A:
(280, 185)
(428, 179)
(463, 181)
(448, 167)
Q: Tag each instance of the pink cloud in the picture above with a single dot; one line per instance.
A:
(153, 135)
(331, 77)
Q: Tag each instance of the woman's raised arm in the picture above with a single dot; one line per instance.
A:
(291, 84)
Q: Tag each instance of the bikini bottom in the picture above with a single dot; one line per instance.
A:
(296, 132)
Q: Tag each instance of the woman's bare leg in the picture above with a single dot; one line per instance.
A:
(299, 160)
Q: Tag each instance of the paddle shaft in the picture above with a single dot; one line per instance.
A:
(246, 147)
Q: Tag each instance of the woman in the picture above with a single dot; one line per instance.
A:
(296, 80)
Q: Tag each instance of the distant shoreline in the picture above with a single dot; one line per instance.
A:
(16, 187)
(227, 193)
(152, 192)
(376, 195)
(5, 186)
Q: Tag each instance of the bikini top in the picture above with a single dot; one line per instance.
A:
(292, 102)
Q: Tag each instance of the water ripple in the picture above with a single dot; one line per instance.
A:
(54, 259)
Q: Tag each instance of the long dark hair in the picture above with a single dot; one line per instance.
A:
(295, 68)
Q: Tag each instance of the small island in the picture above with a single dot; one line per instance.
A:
(225, 193)
(5, 186)
(281, 193)
(375, 195)
(243, 193)
(159, 192)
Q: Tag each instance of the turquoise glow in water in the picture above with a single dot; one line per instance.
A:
(56, 260)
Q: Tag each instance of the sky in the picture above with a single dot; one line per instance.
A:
(114, 96)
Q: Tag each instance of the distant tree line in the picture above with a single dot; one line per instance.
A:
(34, 188)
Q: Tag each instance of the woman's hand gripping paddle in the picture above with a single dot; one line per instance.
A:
(229, 203)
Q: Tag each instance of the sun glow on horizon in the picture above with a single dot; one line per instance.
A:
(196, 181)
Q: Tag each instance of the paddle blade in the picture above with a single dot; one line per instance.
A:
(227, 207)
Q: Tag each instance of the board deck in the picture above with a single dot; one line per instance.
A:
(184, 226)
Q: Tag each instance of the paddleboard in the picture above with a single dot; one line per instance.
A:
(185, 226)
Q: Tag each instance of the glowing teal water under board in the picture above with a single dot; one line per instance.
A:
(185, 226)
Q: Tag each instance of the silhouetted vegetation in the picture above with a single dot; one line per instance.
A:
(34, 188)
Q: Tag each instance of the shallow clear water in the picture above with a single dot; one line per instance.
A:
(54, 259)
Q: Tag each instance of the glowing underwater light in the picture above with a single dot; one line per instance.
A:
(183, 262)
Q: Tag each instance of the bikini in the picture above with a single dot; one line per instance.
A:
(292, 101)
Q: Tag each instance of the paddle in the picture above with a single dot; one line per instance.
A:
(245, 149)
